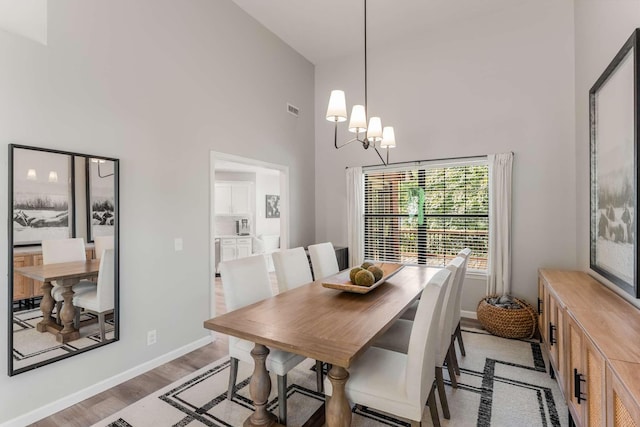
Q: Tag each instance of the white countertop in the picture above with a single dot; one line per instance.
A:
(233, 236)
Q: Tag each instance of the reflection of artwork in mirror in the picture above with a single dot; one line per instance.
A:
(63, 290)
(43, 197)
(272, 209)
(100, 198)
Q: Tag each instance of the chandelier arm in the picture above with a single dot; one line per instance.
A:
(379, 155)
(335, 142)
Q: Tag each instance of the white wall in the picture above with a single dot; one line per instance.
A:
(157, 84)
(500, 82)
(601, 28)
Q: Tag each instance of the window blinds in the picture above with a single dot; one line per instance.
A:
(426, 214)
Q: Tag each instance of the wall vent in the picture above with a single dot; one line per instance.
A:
(292, 109)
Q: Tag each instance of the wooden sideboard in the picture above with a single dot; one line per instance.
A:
(592, 336)
(23, 287)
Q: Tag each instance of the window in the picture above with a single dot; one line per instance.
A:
(425, 214)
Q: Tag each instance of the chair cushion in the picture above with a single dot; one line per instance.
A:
(377, 379)
(410, 313)
(278, 362)
(82, 286)
(396, 338)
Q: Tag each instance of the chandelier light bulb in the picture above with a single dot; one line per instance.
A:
(358, 122)
(388, 137)
(337, 110)
(53, 176)
(31, 175)
(374, 131)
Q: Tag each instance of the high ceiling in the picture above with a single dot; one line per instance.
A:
(324, 29)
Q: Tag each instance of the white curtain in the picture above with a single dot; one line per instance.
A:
(355, 214)
(500, 171)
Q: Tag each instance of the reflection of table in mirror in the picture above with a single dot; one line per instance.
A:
(65, 274)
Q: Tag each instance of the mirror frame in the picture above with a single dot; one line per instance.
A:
(116, 237)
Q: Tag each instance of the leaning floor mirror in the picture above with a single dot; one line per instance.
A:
(63, 255)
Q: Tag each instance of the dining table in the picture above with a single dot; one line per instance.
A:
(65, 274)
(324, 324)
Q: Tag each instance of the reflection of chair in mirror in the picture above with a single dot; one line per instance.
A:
(323, 260)
(246, 281)
(101, 299)
(100, 244)
(65, 250)
(292, 271)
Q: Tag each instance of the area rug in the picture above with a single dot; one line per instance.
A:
(31, 346)
(502, 383)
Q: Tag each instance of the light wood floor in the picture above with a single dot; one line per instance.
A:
(102, 405)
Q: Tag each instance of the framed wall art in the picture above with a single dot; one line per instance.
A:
(272, 206)
(614, 124)
(43, 195)
(100, 198)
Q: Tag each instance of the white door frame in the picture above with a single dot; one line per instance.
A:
(284, 208)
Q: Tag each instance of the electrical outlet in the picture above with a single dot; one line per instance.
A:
(177, 244)
(151, 337)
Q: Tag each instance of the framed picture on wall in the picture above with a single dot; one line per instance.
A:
(272, 206)
(100, 198)
(614, 124)
(43, 195)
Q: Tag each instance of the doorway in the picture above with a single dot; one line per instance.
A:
(249, 210)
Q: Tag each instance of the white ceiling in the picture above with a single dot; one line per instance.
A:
(324, 29)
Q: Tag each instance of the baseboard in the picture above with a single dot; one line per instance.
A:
(469, 314)
(88, 392)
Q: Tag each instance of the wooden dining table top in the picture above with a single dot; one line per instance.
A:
(59, 271)
(325, 324)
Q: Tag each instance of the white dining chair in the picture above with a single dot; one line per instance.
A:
(101, 299)
(65, 250)
(397, 337)
(246, 281)
(398, 383)
(100, 243)
(323, 260)
(456, 333)
(292, 270)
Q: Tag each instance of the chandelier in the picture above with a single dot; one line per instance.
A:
(369, 135)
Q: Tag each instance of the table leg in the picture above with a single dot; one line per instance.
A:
(67, 314)
(259, 389)
(338, 409)
(46, 306)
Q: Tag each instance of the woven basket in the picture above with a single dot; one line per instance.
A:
(506, 322)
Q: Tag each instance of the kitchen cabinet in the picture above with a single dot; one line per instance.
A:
(235, 247)
(233, 198)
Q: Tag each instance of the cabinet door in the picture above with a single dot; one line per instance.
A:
(37, 285)
(595, 371)
(227, 252)
(21, 284)
(552, 330)
(223, 199)
(576, 392)
(622, 408)
(241, 198)
(243, 251)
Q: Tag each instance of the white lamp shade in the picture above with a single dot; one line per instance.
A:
(53, 176)
(388, 137)
(374, 131)
(337, 110)
(358, 122)
(31, 175)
